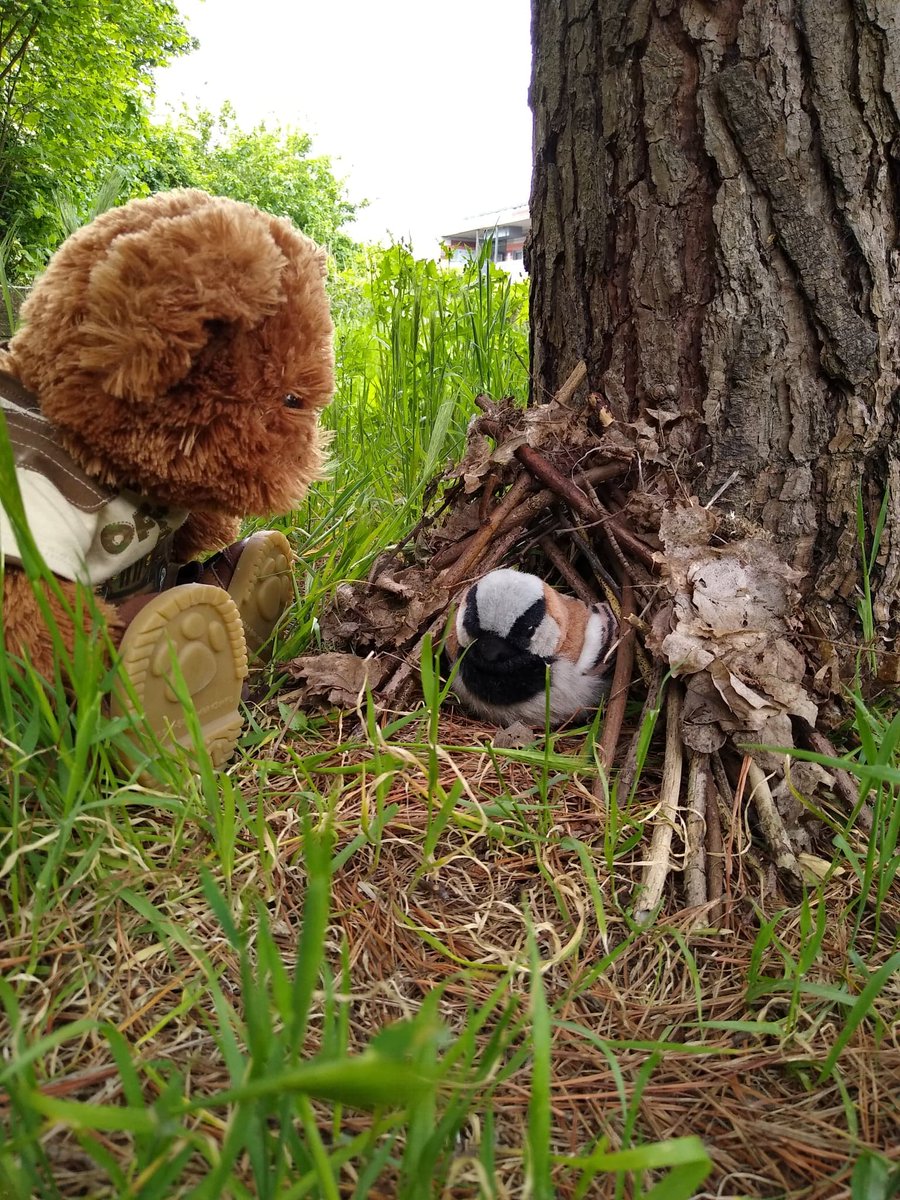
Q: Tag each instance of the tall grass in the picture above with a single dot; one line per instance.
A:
(6, 300)
(416, 342)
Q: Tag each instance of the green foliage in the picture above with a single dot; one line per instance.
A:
(415, 344)
(269, 166)
(874, 1179)
(76, 135)
(7, 310)
(75, 80)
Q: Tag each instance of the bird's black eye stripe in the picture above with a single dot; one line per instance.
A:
(292, 401)
(471, 623)
(527, 623)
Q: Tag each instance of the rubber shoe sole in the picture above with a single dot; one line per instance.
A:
(199, 627)
(262, 587)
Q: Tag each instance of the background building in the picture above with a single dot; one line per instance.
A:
(505, 229)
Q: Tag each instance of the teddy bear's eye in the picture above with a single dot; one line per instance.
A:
(292, 401)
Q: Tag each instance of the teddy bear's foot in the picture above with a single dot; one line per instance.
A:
(197, 627)
(261, 586)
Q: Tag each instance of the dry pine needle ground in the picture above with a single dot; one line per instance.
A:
(637, 1044)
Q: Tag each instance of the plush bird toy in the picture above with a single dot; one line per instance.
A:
(511, 629)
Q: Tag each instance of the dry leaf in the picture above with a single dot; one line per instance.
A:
(458, 522)
(336, 679)
(386, 614)
(482, 457)
(514, 737)
(815, 869)
(705, 715)
(733, 610)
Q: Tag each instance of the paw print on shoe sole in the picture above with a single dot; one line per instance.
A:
(262, 586)
(195, 631)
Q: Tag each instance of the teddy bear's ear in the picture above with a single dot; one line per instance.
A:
(158, 295)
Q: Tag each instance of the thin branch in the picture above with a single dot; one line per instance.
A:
(771, 824)
(487, 495)
(591, 555)
(397, 685)
(20, 51)
(602, 472)
(695, 888)
(576, 377)
(656, 869)
(516, 518)
(568, 572)
(715, 853)
(726, 799)
(499, 548)
(452, 576)
(654, 700)
(621, 682)
(543, 470)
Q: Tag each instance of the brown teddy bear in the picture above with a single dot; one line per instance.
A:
(166, 382)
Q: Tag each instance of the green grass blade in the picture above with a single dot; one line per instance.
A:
(859, 1012)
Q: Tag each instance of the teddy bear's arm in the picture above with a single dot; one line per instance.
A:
(203, 532)
(25, 631)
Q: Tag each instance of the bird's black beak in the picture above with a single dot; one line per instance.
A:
(491, 649)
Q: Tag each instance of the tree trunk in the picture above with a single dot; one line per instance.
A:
(715, 210)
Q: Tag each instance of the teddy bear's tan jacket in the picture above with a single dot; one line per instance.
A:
(85, 532)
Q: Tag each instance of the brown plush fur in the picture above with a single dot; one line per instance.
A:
(25, 632)
(162, 340)
(204, 531)
(571, 616)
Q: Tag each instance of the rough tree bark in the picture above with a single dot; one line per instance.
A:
(715, 207)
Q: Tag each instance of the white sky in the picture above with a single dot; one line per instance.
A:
(422, 106)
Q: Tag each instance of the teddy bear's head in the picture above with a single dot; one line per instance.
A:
(182, 344)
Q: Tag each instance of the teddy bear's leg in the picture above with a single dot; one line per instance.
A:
(25, 631)
(203, 532)
(198, 627)
(256, 573)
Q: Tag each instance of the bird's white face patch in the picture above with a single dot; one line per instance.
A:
(462, 634)
(502, 597)
(545, 638)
